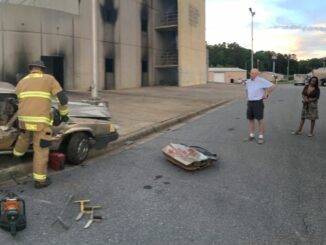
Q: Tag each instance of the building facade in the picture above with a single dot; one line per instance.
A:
(226, 74)
(140, 42)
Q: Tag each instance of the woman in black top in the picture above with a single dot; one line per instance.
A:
(310, 96)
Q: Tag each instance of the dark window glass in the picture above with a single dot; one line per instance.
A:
(109, 65)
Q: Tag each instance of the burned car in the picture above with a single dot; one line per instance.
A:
(89, 126)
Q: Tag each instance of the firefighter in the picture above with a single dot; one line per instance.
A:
(35, 92)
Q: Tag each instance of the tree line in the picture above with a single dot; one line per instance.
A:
(233, 55)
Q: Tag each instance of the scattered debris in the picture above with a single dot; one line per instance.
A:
(129, 142)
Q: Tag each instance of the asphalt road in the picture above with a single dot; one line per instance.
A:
(256, 194)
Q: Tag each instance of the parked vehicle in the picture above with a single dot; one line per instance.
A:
(89, 126)
(300, 82)
(323, 82)
(321, 74)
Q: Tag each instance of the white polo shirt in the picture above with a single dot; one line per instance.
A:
(256, 88)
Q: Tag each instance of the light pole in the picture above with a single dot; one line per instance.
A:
(288, 67)
(252, 37)
(274, 57)
(94, 85)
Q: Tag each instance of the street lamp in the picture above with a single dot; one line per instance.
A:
(252, 37)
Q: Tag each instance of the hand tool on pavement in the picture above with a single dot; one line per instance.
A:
(87, 210)
(60, 218)
(93, 218)
(82, 206)
(12, 214)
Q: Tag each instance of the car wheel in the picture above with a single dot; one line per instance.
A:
(78, 148)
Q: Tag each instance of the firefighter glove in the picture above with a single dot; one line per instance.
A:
(64, 118)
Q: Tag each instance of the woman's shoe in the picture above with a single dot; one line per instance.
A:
(296, 132)
(310, 135)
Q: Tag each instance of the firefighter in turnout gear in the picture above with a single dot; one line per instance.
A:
(35, 92)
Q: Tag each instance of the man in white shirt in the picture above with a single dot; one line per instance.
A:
(258, 89)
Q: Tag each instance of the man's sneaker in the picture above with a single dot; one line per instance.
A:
(42, 184)
(260, 141)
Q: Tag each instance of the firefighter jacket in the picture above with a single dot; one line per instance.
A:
(35, 93)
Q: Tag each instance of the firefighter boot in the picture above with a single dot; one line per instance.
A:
(42, 184)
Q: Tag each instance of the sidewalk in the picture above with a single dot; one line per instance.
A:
(141, 111)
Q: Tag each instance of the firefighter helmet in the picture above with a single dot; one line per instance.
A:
(38, 63)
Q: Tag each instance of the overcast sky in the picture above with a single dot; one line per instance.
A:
(283, 26)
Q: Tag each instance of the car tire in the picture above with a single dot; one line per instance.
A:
(78, 148)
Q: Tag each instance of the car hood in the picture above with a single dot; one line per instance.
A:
(7, 88)
(86, 110)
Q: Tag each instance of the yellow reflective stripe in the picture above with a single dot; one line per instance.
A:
(31, 127)
(17, 153)
(38, 94)
(35, 119)
(33, 75)
(64, 112)
(39, 177)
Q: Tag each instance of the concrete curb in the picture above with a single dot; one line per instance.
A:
(22, 169)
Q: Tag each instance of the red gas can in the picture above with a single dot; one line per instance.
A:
(57, 161)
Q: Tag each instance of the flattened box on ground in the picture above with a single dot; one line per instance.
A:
(188, 157)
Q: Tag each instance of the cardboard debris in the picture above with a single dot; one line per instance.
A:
(188, 157)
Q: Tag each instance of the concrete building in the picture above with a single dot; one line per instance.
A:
(226, 74)
(140, 42)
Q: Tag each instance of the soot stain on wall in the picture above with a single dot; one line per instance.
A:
(14, 74)
(109, 13)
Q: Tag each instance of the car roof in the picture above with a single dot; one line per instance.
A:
(7, 88)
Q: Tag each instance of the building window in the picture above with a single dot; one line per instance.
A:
(109, 65)
(144, 25)
(144, 66)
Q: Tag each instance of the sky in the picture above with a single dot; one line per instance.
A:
(283, 26)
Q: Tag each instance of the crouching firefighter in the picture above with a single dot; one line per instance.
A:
(34, 93)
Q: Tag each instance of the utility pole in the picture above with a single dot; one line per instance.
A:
(252, 37)
(94, 85)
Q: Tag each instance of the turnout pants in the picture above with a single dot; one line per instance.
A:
(41, 143)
